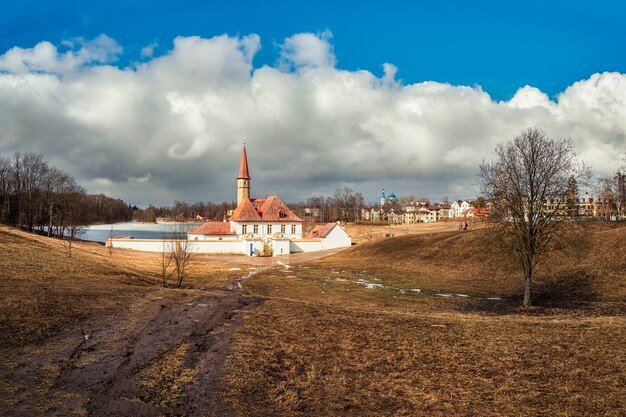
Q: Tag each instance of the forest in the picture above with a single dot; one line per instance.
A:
(37, 196)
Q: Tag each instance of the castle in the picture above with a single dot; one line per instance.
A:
(258, 226)
(266, 226)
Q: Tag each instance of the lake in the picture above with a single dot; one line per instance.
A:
(101, 232)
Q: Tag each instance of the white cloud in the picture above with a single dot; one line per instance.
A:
(148, 50)
(307, 50)
(171, 127)
(45, 57)
(529, 97)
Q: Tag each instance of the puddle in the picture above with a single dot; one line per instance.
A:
(371, 285)
(284, 265)
(374, 283)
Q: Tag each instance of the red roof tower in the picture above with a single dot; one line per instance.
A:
(243, 180)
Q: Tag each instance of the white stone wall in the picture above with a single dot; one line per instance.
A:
(196, 246)
(305, 245)
(337, 238)
(252, 247)
(281, 247)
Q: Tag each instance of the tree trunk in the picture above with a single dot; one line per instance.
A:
(528, 287)
(50, 221)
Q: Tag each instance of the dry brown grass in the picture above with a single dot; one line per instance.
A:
(164, 380)
(43, 291)
(466, 262)
(298, 359)
(326, 345)
(364, 233)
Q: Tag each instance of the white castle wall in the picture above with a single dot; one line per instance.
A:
(196, 246)
(305, 245)
(336, 238)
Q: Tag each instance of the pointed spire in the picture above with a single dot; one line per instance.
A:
(243, 167)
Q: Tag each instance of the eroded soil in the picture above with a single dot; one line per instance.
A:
(162, 354)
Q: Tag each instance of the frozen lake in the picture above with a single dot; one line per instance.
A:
(101, 232)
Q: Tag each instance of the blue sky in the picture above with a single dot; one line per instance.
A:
(406, 96)
(498, 45)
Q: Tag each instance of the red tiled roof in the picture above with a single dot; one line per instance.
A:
(243, 167)
(246, 211)
(273, 209)
(478, 212)
(212, 228)
(320, 231)
(270, 209)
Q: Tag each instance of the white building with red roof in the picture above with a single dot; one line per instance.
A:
(267, 225)
(258, 226)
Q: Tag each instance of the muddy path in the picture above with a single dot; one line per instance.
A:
(163, 354)
(146, 351)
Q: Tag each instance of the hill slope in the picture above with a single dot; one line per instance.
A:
(589, 265)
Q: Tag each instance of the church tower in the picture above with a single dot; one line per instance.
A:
(243, 180)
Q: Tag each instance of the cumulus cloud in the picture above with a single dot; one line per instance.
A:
(171, 127)
(307, 50)
(45, 57)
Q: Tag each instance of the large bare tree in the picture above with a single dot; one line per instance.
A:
(527, 183)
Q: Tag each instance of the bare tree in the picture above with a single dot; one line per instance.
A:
(405, 200)
(110, 246)
(74, 216)
(33, 170)
(181, 254)
(55, 184)
(166, 257)
(527, 184)
(5, 188)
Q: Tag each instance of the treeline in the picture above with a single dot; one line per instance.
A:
(344, 205)
(183, 211)
(35, 195)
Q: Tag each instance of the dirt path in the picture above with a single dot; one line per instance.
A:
(162, 355)
(129, 350)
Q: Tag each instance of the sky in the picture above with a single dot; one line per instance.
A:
(150, 101)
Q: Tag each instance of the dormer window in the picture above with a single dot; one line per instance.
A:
(282, 214)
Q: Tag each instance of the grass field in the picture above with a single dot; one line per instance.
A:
(345, 335)
(426, 323)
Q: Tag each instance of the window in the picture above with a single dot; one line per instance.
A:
(293, 229)
(282, 228)
(269, 229)
(244, 229)
(256, 229)
(282, 214)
